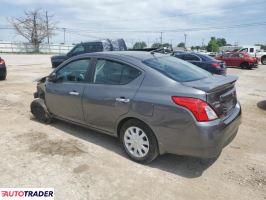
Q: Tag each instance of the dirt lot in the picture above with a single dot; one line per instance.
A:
(83, 164)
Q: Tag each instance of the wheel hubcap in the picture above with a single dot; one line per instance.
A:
(136, 142)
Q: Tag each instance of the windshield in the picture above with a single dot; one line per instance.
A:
(177, 69)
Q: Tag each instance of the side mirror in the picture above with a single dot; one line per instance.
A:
(52, 77)
(69, 54)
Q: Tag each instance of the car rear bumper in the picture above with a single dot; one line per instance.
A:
(202, 139)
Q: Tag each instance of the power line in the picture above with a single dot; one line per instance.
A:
(174, 30)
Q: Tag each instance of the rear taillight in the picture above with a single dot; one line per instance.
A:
(216, 65)
(199, 108)
(2, 61)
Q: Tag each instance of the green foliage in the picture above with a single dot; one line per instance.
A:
(156, 45)
(261, 46)
(139, 45)
(167, 45)
(221, 42)
(181, 44)
(213, 45)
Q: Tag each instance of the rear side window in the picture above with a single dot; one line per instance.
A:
(190, 57)
(177, 69)
(93, 47)
(114, 73)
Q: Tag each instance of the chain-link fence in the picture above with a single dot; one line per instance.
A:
(15, 47)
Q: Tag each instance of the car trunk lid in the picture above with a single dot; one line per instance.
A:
(220, 92)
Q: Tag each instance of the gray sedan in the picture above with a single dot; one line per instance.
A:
(154, 103)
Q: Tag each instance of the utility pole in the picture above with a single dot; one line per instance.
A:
(64, 29)
(185, 40)
(161, 38)
(47, 27)
(202, 44)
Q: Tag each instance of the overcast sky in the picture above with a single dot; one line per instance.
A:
(143, 20)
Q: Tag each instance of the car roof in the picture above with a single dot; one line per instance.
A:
(138, 55)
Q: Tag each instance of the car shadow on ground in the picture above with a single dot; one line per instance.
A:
(184, 166)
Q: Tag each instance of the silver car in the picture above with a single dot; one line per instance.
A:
(154, 103)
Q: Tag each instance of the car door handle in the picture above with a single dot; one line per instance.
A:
(123, 100)
(74, 93)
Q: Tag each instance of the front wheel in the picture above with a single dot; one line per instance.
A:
(139, 141)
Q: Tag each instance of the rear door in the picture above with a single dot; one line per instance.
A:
(110, 94)
(196, 60)
(63, 96)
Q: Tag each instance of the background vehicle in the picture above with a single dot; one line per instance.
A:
(204, 61)
(155, 103)
(252, 50)
(239, 59)
(2, 69)
(89, 47)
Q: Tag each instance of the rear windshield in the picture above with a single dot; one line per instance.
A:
(177, 69)
(207, 58)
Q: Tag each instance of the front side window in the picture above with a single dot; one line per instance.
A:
(114, 73)
(177, 69)
(74, 71)
(251, 50)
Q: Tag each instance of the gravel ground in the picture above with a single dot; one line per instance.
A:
(82, 164)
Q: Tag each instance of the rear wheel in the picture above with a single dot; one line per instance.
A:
(263, 60)
(139, 141)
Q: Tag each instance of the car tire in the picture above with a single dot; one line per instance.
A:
(40, 113)
(263, 60)
(139, 141)
(245, 65)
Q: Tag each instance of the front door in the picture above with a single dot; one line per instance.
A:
(110, 94)
(63, 96)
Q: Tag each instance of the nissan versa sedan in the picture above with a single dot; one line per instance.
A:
(154, 103)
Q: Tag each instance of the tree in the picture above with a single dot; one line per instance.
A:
(221, 42)
(261, 46)
(156, 45)
(213, 45)
(35, 26)
(139, 45)
(167, 45)
(181, 44)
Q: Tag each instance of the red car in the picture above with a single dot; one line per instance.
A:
(239, 59)
(2, 69)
